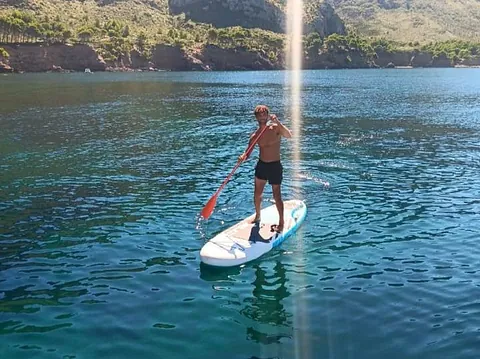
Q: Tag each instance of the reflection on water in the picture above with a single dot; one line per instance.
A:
(267, 321)
(266, 308)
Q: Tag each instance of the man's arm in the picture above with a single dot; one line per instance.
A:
(244, 156)
(281, 128)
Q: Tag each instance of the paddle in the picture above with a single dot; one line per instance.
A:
(208, 209)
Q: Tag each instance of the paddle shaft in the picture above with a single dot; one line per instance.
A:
(249, 149)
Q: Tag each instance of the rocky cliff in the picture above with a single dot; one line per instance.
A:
(261, 14)
(325, 21)
(473, 61)
(40, 58)
(223, 13)
(216, 58)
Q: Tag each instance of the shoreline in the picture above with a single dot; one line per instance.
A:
(130, 70)
(33, 58)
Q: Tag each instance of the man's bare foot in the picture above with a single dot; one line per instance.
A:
(277, 228)
(255, 220)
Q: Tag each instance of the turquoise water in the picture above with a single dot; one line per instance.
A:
(103, 177)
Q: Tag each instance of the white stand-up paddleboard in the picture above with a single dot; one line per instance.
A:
(247, 241)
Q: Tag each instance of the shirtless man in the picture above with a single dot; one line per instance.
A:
(269, 167)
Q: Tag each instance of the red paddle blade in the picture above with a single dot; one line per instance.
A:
(208, 209)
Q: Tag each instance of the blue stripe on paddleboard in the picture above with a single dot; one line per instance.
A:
(292, 230)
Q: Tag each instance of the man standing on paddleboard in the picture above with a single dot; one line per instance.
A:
(269, 168)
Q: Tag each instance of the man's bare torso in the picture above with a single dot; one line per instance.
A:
(269, 145)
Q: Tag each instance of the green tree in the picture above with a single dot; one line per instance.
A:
(172, 34)
(212, 35)
(33, 32)
(313, 43)
(66, 35)
(4, 53)
(141, 41)
(114, 28)
(85, 34)
(126, 31)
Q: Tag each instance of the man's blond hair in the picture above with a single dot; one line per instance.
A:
(261, 109)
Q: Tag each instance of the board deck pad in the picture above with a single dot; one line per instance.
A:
(246, 241)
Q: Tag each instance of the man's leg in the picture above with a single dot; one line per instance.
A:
(277, 196)
(257, 197)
